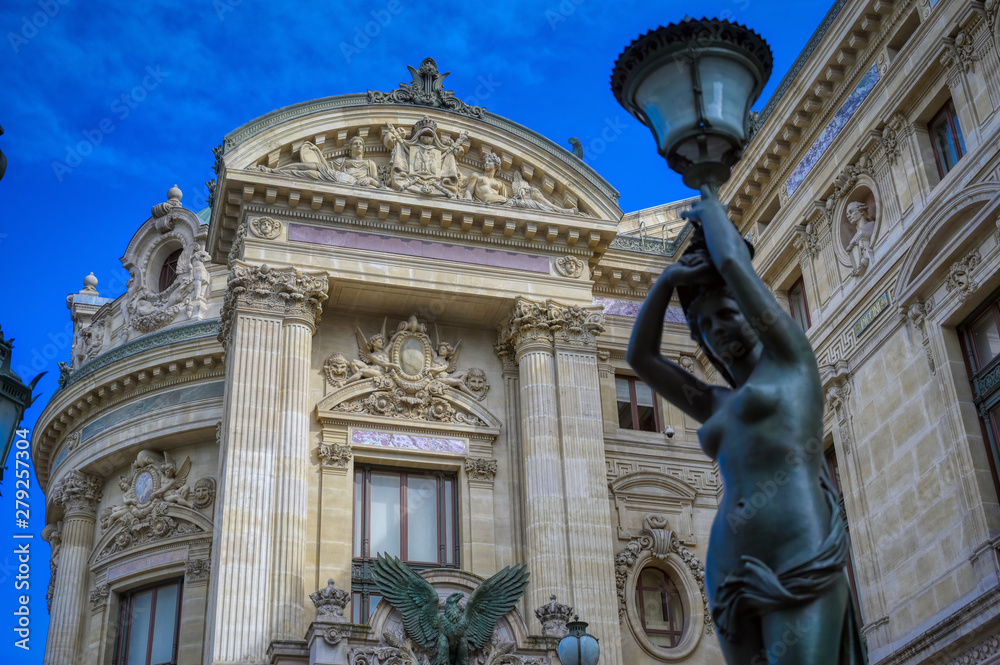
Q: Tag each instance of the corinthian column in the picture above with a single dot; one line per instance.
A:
(240, 602)
(288, 590)
(529, 336)
(588, 526)
(78, 494)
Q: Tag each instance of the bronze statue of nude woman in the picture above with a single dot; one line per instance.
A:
(775, 571)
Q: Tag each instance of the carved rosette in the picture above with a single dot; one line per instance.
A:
(198, 570)
(484, 470)
(265, 227)
(334, 455)
(661, 543)
(99, 596)
(554, 617)
(78, 493)
(545, 323)
(330, 602)
(281, 291)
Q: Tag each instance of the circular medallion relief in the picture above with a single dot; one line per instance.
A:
(144, 487)
(411, 356)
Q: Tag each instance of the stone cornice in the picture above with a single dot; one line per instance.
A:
(278, 195)
(190, 360)
(792, 133)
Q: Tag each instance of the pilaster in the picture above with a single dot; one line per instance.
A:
(78, 494)
(288, 621)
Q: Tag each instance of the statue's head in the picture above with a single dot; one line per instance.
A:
(338, 364)
(357, 146)
(475, 379)
(714, 318)
(377, 341)
(857, 213)
(491, 162)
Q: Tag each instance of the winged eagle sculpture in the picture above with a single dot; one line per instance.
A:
(455, 633)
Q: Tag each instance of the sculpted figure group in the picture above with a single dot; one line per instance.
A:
(780, 563)
(423, 161)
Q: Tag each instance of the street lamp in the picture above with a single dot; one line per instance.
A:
(579, 647)
(15, 397)
(693, 84)
(3, 159)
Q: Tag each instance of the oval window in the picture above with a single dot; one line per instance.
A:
(411, 356)
(660, 608)
(168, 273)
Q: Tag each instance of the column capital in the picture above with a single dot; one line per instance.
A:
(282, 292)
(535, 325)
(78, 494)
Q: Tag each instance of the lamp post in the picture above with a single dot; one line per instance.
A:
(693, 83)
(3, 159)
(15, 397)
(579, 647)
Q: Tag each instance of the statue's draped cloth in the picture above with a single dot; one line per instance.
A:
(753, 589)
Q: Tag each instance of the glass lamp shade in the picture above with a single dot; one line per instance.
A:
(693, 83)
(579, 647)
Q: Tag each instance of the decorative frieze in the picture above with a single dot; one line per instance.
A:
(330, 603)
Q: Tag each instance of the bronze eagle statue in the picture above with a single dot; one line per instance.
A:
(455, 633)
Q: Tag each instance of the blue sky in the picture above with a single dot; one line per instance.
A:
(106, 105)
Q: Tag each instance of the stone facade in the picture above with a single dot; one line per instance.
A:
(401, 283)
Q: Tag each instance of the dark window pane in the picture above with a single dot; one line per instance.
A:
(647, 410)
(623, 394)
(422, 519)
(797, 305)
(985, 337)
(168, 273)
(165, 624)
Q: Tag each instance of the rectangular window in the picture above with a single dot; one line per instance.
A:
(408, 514)
(980, 337)
(946, 136)
(637, 408)
(797, 304)
(148, 626)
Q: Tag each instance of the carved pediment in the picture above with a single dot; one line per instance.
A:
(157, 503)
(407, 376)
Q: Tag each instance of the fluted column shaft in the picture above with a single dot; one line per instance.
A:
(78, 493)
(239, 601)
(288, 589)
(546, 544)
(588, 526)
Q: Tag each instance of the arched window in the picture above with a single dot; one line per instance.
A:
(660, 607)
(168, 273)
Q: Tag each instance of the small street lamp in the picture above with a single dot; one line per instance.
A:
(579, 647)
(693, 84)
(15, 397)
(3, 159)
